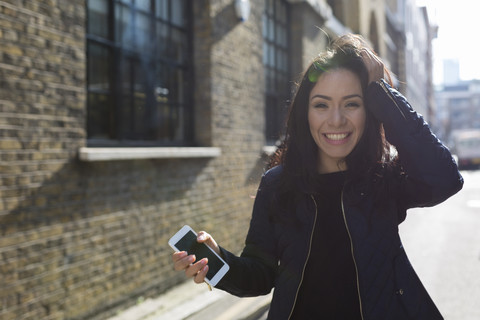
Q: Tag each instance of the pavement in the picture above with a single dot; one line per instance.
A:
(190, 301)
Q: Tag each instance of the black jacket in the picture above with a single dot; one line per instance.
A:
(276, 254)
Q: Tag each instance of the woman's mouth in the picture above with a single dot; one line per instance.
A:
(336, 138)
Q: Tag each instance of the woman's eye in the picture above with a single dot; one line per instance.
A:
(320, 106)
(353, 105)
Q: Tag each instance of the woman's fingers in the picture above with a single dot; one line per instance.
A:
(199, 277)
(196, 270)
(181, 260)
(208, 240)
(373, 64)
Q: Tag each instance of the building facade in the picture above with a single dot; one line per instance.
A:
(458, 109)
(122, 120)
(409, 36)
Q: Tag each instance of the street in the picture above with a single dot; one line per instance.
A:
(443, 244)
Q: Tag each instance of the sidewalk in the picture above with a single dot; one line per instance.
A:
(189, 301)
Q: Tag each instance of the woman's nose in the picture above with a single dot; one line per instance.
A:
(336, 117)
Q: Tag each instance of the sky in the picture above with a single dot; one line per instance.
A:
(458, 36)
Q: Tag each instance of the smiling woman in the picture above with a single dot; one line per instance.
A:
(324, 227)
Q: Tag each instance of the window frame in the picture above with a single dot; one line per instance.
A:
(116, 134)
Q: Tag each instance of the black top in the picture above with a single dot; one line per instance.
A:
(329, 287)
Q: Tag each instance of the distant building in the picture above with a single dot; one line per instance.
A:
(408, 39)
(451, 72)
(418, 57)
(458, 108)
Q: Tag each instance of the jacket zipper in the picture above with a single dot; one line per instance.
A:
(308, 256)
(389, 94)
(353, 257)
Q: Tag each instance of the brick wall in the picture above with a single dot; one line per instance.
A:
(81, 239)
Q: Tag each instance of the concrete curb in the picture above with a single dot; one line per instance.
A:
(189, 301)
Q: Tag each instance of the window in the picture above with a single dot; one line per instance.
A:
(139, 79)
(276, 65)
(460, 102)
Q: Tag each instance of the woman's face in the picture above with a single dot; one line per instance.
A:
(336, 116)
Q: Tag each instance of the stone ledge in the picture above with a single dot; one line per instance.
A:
(109, 154)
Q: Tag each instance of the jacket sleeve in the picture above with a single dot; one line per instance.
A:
(253, 273)
(429, 173)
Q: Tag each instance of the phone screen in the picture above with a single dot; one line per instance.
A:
(189, 244)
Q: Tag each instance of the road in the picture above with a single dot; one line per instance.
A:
(443, 244)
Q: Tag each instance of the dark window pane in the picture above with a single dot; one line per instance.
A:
(124, 116)
(142, 32)
(98, 118)
(269, 6)
(271, 29)
(178, 12)
(123, 106)
(124, 31)
(161, 9)
(269, 79)
(178, 46)
(271, 56)
(161, 41)
(282, 12)
(99, 68)
(281, 36)
(144, 5)
(98, 18)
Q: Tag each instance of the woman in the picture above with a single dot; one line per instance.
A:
(324, 228)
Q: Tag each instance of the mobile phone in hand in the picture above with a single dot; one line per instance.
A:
(186, 240)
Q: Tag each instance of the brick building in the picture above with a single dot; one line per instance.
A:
(122, 120)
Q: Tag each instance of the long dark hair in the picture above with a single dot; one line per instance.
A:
(298, 151)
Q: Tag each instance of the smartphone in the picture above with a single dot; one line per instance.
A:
(186, 240)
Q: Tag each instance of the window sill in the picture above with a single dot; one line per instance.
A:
(111, 154)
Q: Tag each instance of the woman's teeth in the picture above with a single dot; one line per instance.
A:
(336, 136)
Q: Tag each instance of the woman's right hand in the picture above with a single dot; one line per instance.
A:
(192, 268)
(374, 65)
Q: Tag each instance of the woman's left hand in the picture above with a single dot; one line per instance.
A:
(373, 64)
